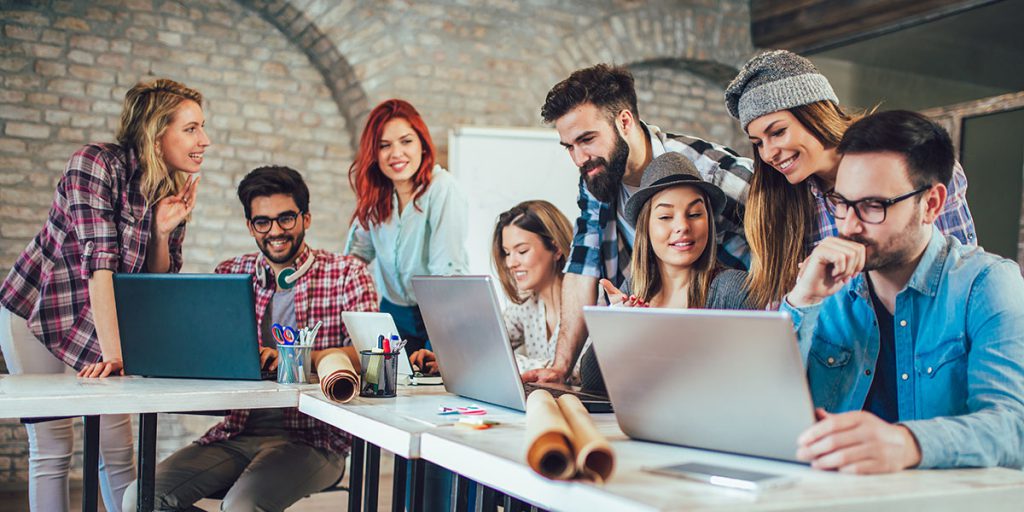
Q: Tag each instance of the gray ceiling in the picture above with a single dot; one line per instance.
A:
(982, 46)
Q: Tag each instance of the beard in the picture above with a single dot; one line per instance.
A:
(880, 255)
(605, 183)
(296, 240)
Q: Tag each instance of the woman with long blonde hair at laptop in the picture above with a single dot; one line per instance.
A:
(119, 207)
(674, 264)
(528, 250)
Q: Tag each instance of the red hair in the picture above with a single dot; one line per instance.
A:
(373, 189)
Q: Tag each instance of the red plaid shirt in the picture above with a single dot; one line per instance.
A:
(334, 283)
(99, 220)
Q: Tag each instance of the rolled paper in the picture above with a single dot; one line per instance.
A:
(339, 380)
(548, 449)
(595, 458)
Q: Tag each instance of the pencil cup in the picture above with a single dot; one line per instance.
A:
(379, 372)
(293, 364)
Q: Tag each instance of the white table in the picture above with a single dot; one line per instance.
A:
(394, 424)
(410, 426)
(42, 396)
(495, 457)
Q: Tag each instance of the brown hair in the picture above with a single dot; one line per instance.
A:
(542, 219)
(148, 108)
(645, 273)
(780, 217)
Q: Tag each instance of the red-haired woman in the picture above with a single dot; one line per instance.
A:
(410, 214)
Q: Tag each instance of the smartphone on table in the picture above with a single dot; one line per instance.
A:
(723, 476)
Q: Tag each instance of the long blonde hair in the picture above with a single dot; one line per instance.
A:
(148, 109)
(542, 219)
(646, 273)
(780, 219)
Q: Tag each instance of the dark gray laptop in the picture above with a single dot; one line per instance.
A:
(198, 326)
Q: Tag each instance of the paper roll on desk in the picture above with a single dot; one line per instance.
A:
(562, 441)
(339, 380)
(595, 459)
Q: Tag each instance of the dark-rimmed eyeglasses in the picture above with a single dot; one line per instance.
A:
(264, 224)
(869, 210)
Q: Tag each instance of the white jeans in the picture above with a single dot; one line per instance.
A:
(51, 443)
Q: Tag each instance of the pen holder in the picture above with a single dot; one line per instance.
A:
(379, 373)
(293, 364)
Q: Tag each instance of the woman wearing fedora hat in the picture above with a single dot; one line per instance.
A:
(674, 263)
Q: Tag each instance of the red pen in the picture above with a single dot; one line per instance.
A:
(387, 346)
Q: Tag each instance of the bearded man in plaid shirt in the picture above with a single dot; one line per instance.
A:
(267, 459)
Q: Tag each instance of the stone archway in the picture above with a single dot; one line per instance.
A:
(338, 75)
(709, 40)
(682, 57)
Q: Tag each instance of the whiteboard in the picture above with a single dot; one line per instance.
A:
(498, 168)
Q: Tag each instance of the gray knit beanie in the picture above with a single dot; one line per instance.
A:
(773, 81)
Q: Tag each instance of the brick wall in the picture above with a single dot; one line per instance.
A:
(290, 82)
(679, 100)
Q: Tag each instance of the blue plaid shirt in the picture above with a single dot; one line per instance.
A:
(602, 249)
(955, 219)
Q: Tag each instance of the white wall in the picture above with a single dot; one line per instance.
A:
(499, 167)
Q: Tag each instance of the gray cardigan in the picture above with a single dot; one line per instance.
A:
(728, 290)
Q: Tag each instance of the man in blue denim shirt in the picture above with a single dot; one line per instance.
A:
(912, 341)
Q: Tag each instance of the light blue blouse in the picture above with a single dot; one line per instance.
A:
(430, 240)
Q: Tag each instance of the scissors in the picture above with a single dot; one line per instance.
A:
(284, 334)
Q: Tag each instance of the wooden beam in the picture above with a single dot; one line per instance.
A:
(811, 25)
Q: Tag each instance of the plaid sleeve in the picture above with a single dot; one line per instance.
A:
(956, 218)
(357, 294)
(585, 255)
(174, 244)
(87, 185)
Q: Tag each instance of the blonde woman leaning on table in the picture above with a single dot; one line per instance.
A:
(119, 207)
(411, 216)
(529, 250)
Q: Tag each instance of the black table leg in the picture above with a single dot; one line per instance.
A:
(147, 461)
(460, 493)
(91, 464)
(416, 494)
(371, 477)
(486, 499)
(355, 478)
(398, 485)
(513, 504)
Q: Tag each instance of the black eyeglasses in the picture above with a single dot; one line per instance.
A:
(869, 210)
(264, 224)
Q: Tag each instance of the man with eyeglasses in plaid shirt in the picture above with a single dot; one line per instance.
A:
(267, 459)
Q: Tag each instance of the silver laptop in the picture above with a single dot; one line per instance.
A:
(729, 381)
(467, 332)
(364, 327)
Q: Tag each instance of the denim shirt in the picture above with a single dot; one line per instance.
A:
(959, 354)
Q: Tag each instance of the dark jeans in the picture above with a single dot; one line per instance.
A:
(409, 323)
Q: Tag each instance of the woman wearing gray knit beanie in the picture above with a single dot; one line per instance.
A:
(794, 121)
